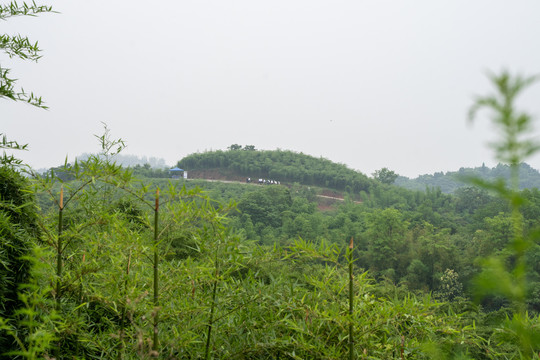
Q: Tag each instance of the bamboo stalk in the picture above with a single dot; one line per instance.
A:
(212, 308)
(59, 264)
(211, 320)
(124, 310)
(59, 246)
(81, 297)
(351, 301)
(156, 274)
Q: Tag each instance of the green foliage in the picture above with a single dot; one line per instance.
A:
(386, 230)
(450, 287)
(469, 199)
(265, 208)
(220, 296)
(198, 278)
(284, 166)
(506, 274)
(453, 181)
(10, 160)
(18, 231)
(235, 147)
(515, 145)
(145, 171)
(30, 328)
(239, 147)
(19, 47)
(385, 176)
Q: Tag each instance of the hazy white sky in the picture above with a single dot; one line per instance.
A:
(370, 84)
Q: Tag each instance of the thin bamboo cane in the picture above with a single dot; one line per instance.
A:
(351, 301)
(212, 309)
(59, 246)
(156, 274)
(59, 264)
(124, 310)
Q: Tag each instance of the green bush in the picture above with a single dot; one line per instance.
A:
(18, 231)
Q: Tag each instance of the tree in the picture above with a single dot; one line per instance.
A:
(469, 199)
(385, 176)
(266, 206)
(450, 287)
(19, 46)
(235, 147)
(386, 230)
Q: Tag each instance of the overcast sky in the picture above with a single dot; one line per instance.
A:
(370, 84)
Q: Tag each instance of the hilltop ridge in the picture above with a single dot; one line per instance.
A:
(281, 165)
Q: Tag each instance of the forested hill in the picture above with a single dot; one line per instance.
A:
(280, 165)
(529, 178)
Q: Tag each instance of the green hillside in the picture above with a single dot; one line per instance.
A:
(279, 165)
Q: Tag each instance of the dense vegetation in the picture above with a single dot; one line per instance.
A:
(407, 237)
(450, 181)
(280, 165)
(114, 280)
(126, 271)
(97, 264)
(18, 226)
(291, 167)
(111, 284)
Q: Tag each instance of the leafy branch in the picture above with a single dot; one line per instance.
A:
(507, 274)
(24, 9)
(20, 47)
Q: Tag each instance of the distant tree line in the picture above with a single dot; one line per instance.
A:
(132, 160)
(144, 171)
(450, 181)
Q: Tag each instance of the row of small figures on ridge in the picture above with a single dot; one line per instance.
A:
(264, 181)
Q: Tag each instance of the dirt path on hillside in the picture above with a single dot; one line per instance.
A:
(336, 198)
(257, 184)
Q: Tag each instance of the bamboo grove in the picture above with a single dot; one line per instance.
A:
(97, 264)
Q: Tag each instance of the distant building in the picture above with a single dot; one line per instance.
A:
(177, 173)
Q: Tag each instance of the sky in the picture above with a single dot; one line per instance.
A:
(369, 84)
